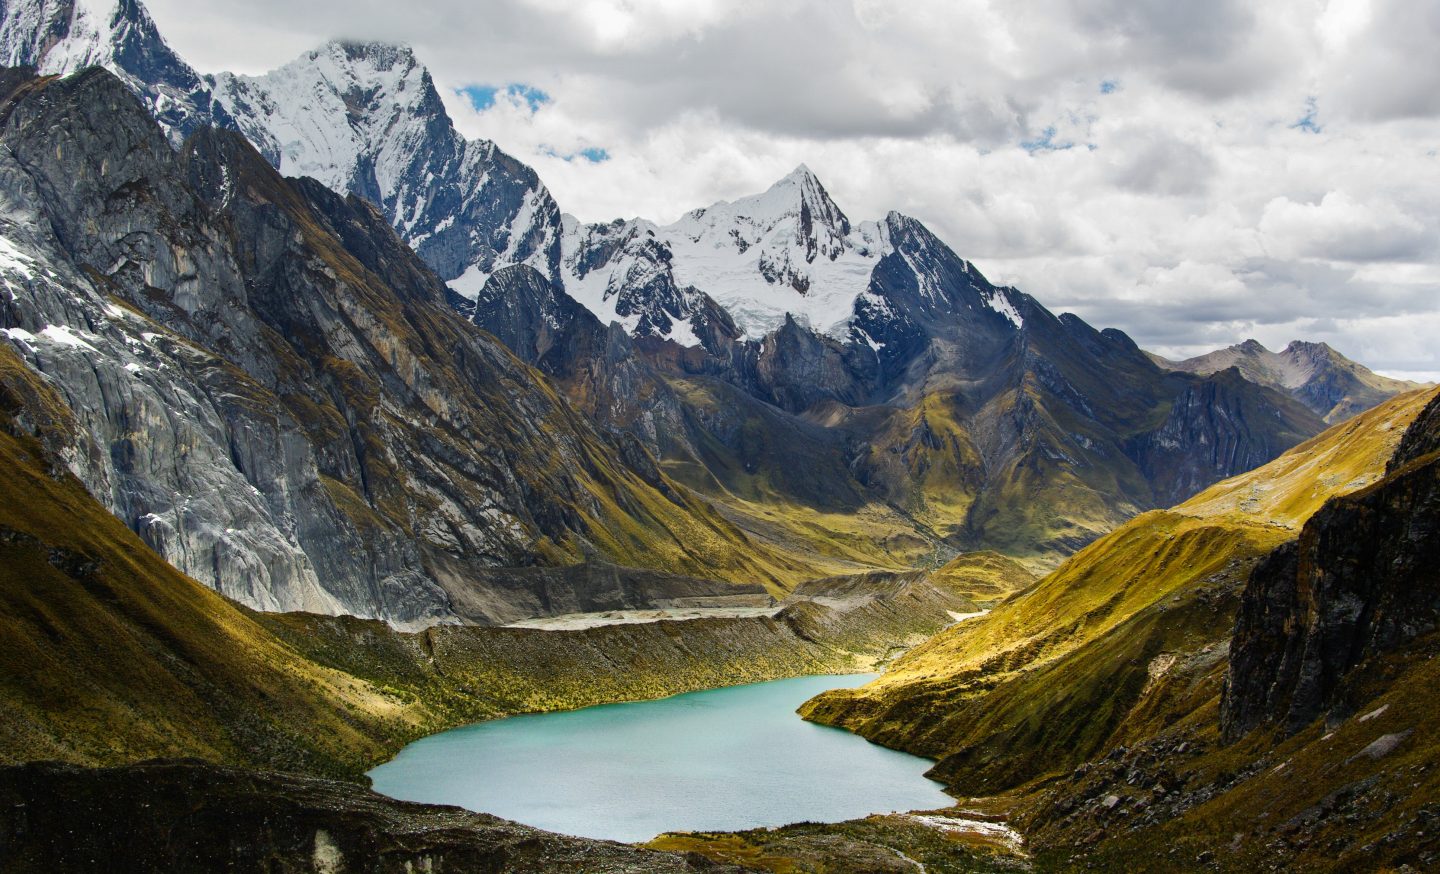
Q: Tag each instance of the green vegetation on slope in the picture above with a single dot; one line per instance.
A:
(111, 656)
(985, 577)
(1053, 676)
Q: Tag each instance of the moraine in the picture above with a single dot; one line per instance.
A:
(718, 760)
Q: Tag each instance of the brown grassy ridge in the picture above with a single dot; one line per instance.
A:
(1049, 678)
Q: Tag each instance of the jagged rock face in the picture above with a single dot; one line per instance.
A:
(1218, 427)
(531, 316)
(277, 396)
(1362, 579)
(144, 396)
(1322, 379)
(187, 815)
(796, 369)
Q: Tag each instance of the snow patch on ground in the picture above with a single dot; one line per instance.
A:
(469, 284)
(999, 301)
(64, 335)
(958, 825)
(14, 260)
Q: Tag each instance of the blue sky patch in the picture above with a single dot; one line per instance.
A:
(1109, 86)
(482, 97)
(593, 154)
(1045, 143)
(1307, 123)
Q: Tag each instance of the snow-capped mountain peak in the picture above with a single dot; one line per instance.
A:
(796, 212)
(328, 113)
(59, 37)
(788, 251)
(365, 118)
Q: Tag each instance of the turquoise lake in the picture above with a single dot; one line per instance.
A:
(718, 760)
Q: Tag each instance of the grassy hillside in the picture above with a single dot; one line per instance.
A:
(983, 577)
(1053, 676)
(111, 656)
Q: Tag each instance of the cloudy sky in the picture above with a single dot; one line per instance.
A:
(1193, 173)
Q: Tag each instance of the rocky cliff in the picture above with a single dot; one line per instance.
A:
(1363, 579)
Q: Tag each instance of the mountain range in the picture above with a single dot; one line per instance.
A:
(1322, 379)
(817, 395)
(317, 420)
(269, 387)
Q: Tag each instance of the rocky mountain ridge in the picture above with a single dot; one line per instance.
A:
(364, 118)
(1125, 719)
(1322, 379)
(763, 332)
(347, 442)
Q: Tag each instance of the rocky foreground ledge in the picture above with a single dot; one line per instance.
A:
(185, 815)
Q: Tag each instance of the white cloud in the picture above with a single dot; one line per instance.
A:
(1384, 64)
(1188, 209)
(1342, 229)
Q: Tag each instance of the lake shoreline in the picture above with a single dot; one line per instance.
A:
(728, 758)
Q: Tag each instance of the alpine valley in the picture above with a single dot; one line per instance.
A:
(323, 429)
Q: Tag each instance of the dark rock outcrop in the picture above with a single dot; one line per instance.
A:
(1362, 579)
(188, 815)
(1217, 427)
